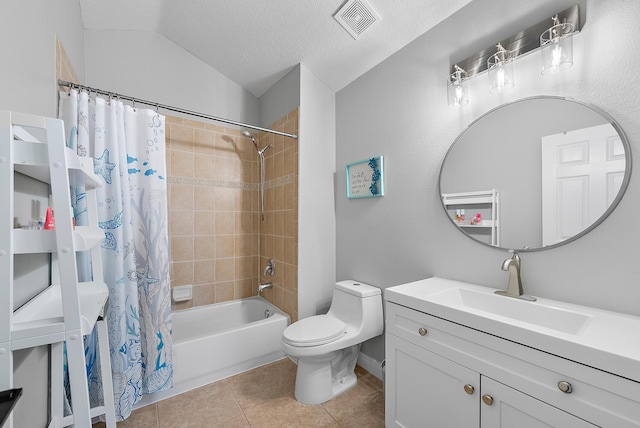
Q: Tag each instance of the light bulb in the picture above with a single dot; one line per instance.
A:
(500, 79)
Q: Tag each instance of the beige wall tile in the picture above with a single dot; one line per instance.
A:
(204, 272)
(204, 222)
(204, 294)
(182, 164)
(287, 250)
(181, 138)
(224, 246)
(181, 248)
(225, 269)
(290, 161)
(181, 196)
(203, 166)
(203, 198)
(225, 222)
(182, 273)
(225, 291)
(244, 244)
(204, 247)
(244, 222)
(225, 199)
(204, 141)
(181, 223)
(245, 268)
(288, 272)
(278, 247)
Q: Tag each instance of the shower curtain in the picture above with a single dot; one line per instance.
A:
(128, 147)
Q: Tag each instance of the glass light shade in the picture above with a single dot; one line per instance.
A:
(500, 66)
(556, 47)
(457, 93)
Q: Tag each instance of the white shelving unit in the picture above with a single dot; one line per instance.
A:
(68, 309)
(485, 202)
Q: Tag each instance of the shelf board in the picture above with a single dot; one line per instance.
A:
(40, 320)
(468, 201)
(32, 159)
(484, 224)
(44, 241)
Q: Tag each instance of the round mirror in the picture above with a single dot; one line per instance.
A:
(535, 173)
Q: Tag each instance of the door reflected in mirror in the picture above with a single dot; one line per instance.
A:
(557, 167)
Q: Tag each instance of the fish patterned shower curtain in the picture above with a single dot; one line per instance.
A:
(128, 147)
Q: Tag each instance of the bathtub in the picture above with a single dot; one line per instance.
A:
(216, 341)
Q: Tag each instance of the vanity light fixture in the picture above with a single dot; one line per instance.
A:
(500, 66)
(555, 44)
(556, 47)
(457, 87)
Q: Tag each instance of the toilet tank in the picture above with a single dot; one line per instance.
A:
(357, 289)
(357, 303)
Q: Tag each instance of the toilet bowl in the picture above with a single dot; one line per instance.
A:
(326, 347)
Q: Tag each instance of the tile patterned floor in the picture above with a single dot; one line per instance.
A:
(263, 398)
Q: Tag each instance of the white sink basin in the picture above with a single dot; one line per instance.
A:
(597, 338)
(539, 313)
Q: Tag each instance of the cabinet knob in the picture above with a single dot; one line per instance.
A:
(422, 331)
(565, 387)
(469, 389)
(487, 399)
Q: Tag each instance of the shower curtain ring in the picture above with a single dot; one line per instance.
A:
(157, 112)
(133, 104)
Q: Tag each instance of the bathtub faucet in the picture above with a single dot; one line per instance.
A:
(263, 286)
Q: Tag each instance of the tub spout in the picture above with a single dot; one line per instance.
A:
(263, 286)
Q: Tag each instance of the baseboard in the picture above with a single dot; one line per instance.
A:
(371, 365)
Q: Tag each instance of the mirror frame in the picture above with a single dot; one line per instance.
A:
(608, 211)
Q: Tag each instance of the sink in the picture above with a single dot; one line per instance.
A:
(594, 337)
(537, 313)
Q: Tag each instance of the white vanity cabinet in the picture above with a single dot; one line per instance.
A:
(443, 374)
(425, 389)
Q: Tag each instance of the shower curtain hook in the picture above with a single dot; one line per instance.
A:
(133, 104)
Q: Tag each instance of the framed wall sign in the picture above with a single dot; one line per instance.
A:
(365, 178)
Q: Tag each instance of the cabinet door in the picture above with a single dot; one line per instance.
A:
(426, 390)
(505, 407)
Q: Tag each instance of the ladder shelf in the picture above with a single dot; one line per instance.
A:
(67, 309)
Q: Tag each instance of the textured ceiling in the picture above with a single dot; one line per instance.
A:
(256, 42)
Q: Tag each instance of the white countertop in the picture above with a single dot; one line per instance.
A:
(601, 339)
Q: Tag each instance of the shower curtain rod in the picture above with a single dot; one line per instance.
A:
(171, 108)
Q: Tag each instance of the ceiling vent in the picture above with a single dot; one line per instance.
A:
(356, 16)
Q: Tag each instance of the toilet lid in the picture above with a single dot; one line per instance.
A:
(313, 331)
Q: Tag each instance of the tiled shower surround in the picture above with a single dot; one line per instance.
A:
(214, 212)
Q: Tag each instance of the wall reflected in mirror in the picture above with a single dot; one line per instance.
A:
(558, 167)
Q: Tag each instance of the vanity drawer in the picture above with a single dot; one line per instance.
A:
(601, 398)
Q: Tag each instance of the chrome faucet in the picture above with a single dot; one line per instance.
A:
(261, 287)
(514, 287)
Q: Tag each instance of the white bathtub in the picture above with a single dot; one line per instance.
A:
(217, 341)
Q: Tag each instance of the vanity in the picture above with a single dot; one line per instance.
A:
(458, 355)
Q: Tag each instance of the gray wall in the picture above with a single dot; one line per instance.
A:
(399, 110)
(281, 98)
(149, 66)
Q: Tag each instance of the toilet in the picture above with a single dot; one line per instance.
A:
(326, 347)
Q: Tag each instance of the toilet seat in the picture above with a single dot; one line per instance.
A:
(314, 331)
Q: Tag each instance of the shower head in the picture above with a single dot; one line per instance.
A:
(249, 135)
